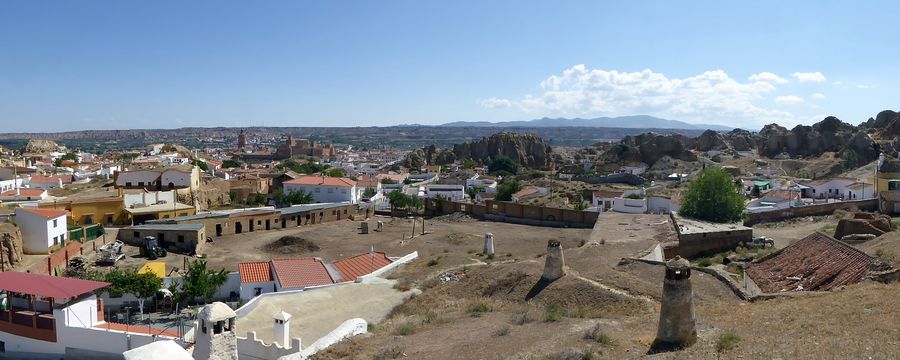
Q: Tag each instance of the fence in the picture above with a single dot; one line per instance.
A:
(54, 263)
(89, 232)
(809, 210)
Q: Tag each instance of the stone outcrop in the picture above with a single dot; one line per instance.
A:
(862, 223)
(10, 246)
(39, 146)
(650, 147)
(528, 150)
(828, 135)
(740, 140)
(710, 140)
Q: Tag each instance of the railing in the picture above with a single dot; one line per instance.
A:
(28, 324)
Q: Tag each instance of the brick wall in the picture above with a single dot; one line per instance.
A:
(59, 258)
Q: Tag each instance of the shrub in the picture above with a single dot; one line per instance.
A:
(391, 351)
(727, 341)
(502, 331)
(704, 262)
(433, 262)
(404, 330)
(521, 318)
(884, 255)
(712, 196)
(479, 308)
(597, 334)
(430, 317)
(554, 312)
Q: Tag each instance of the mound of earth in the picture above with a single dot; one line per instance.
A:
(291, 245)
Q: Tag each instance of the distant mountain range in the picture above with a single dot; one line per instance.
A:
(628, 122)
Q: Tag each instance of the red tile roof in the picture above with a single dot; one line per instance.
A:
(137, 329)
(359, 265)
(816, 263)
(607, 194)
(298, 273)
(47, 213)
(40, 179)
(47, 286)
(257, 271)
(367, 181)
(322, 180)
(24, 192)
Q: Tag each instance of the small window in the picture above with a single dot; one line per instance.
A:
(55, 224)
(128, 184)
(140, 183)
(182, 214)
(166, 216)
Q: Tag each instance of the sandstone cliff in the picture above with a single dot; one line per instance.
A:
(38, 146)
(10, 246)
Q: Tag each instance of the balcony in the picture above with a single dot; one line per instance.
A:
(27, 323)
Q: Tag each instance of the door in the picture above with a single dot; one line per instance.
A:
(162, 240)
(238, 227)
(268, 224)
(897, 207)
(218, 229)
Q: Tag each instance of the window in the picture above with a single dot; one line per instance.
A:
(109, 219)
(140, 183)
(318, 190)
(257, 291)
(128, 183)
(894, 185)
(330, 190)
(56, 240)
(55, 224)
(87, 219)
(182, 214)
(137, 235)
(203, 326)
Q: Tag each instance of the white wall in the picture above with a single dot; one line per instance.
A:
(248, 290)
(38, 232)
(135, 177)
(179, 179)
(631, 206)
(325, 194)
(149, 198)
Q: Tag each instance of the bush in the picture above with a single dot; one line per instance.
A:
(392, 351)
(704, 262)
(598, 335)
(503, 164)
(502, 331)
(404, 330)
(507, 189)
(554, 312)
(479, 308)
(712, 196)
(884, 255)
(727, 341)
(521, 318)
(433, 262)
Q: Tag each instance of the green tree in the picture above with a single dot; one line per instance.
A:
(712, 196)
(129, 281)
(387, 181)
(295, 197)
(68, 156)
(201, 164)
(398, 200)
(335, 172)
(368, 192)
(231, 163)
(468, 163)
(200, 282)
(473, 192)
(507, 189)
(851, 160)
(579, 204)
(503, 164)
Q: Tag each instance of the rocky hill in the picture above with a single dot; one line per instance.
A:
(528, 150)
(38, 146)
(10, 246)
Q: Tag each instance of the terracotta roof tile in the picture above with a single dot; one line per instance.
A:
(359, 265)
(45, 285)
(298, 273)
(257, 271)
(816, 263)
(322, 180)
(47, 213)
(24, 192)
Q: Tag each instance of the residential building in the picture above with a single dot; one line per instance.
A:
(775, 200)
(449, 192)
(180, 238)
(12, 184)
(109, 210)
(529, 192)
(183, 178)
(834, 188)
(23, 194)
(46, 182)
(324, 189)
(42, 229)
(602, 200)
(58, 317)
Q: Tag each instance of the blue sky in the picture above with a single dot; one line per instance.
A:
(71, 65)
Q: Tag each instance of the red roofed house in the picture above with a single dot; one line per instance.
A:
(45, 182)
(45, 316)
(324, 189)
(256, 279)
(23, 194)
(42, 229)
(359, 265)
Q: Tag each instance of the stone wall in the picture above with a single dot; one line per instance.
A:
(503, 211)
(809, 210)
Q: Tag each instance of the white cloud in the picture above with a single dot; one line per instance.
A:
(712, 96)
(788, 100)
(496, 103)
(862, 86)
(818, 96)
(809, 76)
(768, 77)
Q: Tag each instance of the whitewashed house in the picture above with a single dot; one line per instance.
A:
(449, 192)
(42, 229)
(834, 188)
(324, 189)
(23, 194)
